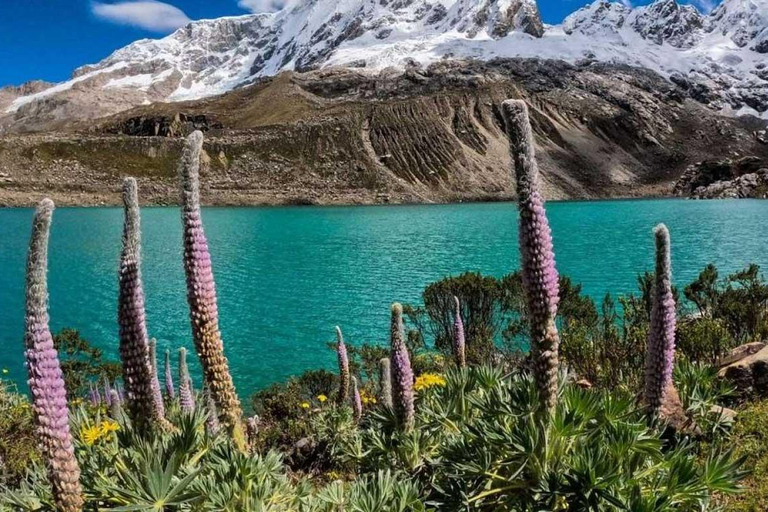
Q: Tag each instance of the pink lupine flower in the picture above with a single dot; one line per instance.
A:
(201, 295)
(46, 383)
(540, 278)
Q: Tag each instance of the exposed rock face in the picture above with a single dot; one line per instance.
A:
(666, 21)
(419, 135)
(743, 178)
(750, 374)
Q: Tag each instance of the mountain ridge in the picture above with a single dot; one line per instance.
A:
(722, 54)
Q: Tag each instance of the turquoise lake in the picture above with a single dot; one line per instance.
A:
(287, 276)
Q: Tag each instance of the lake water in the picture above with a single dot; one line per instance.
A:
(287, 276)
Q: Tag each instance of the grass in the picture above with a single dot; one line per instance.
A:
(750, 440)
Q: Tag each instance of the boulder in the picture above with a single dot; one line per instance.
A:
(749, 374)
(740, 352)
(728, 415)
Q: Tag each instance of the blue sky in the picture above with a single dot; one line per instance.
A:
(48, 39)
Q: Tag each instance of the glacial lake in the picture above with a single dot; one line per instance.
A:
(287, 276)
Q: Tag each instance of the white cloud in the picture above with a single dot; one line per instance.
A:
(627, 3)
(262, 5)
(147, 14)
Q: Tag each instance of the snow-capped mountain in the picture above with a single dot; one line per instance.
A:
(722, 56)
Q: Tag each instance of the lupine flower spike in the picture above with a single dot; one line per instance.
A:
(186, 397)
(156, 392)
(540, 278)
(134, 342)
(660, 352)
(252, 429)
(46, 384)
(341, 352)
(115, 409)
(94, 396)
(212, 425)
(402, 373)
(385, 382)
(107, 393)
(169, 390)
(201, 295)
(459, 342)
(357, 401)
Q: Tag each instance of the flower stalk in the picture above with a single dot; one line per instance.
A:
(385, 382)
(459, 341)
(46, 382)
(186, 394)
(343, 357)
(402, 373)
(660, 350)
(201, 296)
(169, 389)
(357, 401)
(540, 278)
(141, 402)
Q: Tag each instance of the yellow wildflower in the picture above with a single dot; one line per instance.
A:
(428, 380)
(305, 405)
(322, 398)
(90, 435)
(108, 427)
(366, 398)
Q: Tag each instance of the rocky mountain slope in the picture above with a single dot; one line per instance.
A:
(722, 57)
(366, 101)
(423, 134)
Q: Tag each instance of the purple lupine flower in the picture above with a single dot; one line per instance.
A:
(357, 402)
(660, 352)
(402, 373)
(134, 342)
(252, 429)
(539, 275)
(107, 393)
(459, 342)
(46, 383)
(93, 395)
(212, 425)
(186, 396)
(156, 392)
(201, 295)
(341, 352)
(169, 389)
(385, 382)
(120, 393)
(115, 408)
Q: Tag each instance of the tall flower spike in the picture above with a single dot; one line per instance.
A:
(385, 382)
(93, 394)
(156, 392)
(341, 352)
(107, 393)
(186, 397)
(540, 279)
(46, 383)
(212, 425)
(252, 429)
(201, 295)
(459, 341)
(169, 390)
(357, 401)
(115, 408)
(134, 342)
(660, 352)
(402, 373)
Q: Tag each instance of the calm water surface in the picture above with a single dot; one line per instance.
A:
(287, 276)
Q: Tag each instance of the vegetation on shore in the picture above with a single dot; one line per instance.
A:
(530, 399)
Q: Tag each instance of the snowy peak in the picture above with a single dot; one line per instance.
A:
(745, 22)
(666, 21)
(718, 56)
